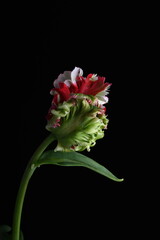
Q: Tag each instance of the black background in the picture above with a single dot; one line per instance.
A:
(40, 42)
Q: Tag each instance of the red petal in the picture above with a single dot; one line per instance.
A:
(55, 99)
(73, 88)
(89, 87)
(90, 75)
(98, 86)
(63, 91)
(84, 86)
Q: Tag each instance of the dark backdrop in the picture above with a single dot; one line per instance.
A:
(39, 43)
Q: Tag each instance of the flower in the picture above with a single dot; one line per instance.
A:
(77, 115)
(73, 82)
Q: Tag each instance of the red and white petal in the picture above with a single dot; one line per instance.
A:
(62, 78)
(77, 72)
(84, 85)
(93, 77)
(63, 91)
(98, 86)
(72, 86)
(56, 99)
(102, 98)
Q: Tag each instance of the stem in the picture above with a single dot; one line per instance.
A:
(23, 186)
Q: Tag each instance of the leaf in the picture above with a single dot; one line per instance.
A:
(21, 236)
(74, 159)
(5, 233)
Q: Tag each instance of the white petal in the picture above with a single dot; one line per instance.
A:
(68, 82)
(94, 77)
(67, 74)
(102, 100)
(62, 78)
(81, 72)
(75, 73)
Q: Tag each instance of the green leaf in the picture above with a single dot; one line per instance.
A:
(21, 236)
(5, 233)
(74, 159)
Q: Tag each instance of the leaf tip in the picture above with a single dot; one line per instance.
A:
(120, 179)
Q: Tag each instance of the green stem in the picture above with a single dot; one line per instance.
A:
(23, 186)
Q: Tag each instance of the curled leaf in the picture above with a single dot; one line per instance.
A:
(74, 159)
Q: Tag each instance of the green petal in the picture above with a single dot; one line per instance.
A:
(80, 124)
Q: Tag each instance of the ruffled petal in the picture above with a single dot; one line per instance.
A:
(70, 83)
(63, 91)
(98, 86)
(62, 78)
(76, 73)
(77, 123)
(84, 85)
